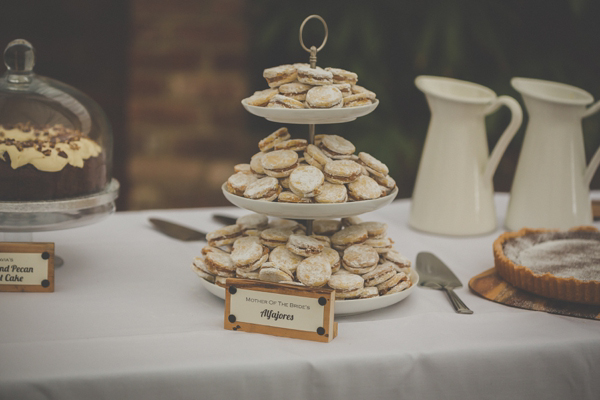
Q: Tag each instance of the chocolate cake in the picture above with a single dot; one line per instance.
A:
(564, 265)
(48, 163)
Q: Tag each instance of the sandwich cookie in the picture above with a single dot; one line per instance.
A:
(332, 193)
(306, 180)
(292, 144)
(347, 221)
(304, 246)
(290, 224)
(387, 286)
(273, 237)
(280, 101)
(369, 292)
(373, 165)
(221, 281)
(381, 245)
(342, 171)
(277, 76)
(364, 188)
(252, 221)
(346, 286)
(223, 236)
(315, 157)
(345, 88)
(353, 100)
(262, 97)
(206, 249)
(238, 182)
(248, 254)
(314, 76)
(280, 256)
(349, 236)
(325, 240)
(279, 163)
(320, 97)
(314, 271)
(199, 267)
(256, 164)
(400, 262)
(359, 89)
(343, 76)
(278, 136)
(387, 182)
(295, 90)
(334, 258)
(273, 273)
(360, 259)
(220, 264)
(337, 147)
(240, 273)
(243, 168)
(375, 229)
(266, 189)
(380, 274)
(291, 197)
(326, 226)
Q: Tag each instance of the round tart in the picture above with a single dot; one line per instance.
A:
(561, 265)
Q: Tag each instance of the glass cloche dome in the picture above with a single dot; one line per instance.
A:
(55, 141)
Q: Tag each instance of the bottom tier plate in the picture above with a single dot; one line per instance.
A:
(345, 307)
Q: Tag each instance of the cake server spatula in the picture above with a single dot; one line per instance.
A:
(434, 274)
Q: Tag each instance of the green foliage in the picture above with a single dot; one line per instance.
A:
(389, 43)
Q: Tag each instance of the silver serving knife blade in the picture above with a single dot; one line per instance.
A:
(434, 274)
(177, 231)
(224, 219)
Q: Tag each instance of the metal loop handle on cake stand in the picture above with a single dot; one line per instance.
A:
(313, 50)
(313, 64)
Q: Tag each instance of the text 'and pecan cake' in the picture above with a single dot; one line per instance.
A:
(48, 163)
(563, 265)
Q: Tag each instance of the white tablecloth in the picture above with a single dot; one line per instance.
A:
(130, 320)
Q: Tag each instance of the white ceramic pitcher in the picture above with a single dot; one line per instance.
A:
(454, 192)
(551, 185)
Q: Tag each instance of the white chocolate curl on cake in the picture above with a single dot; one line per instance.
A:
(49, 149)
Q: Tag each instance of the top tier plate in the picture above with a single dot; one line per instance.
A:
(311, 116)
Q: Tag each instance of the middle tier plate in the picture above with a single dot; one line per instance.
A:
(311, 116)
(309, 211)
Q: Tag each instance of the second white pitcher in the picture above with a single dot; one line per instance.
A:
(454, 192)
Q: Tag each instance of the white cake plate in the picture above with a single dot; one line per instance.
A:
(309, 211)
(311, 116)
(345, 307)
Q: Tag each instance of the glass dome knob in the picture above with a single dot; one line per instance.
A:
(19, 59)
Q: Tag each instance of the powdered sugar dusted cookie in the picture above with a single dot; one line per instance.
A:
(279, 135)
(337, 147)
(238, 182)
(364, 188)
(267, 189)
(373, 165)
(279, 163)
(314, 76)
(277, 76)
(262, 97)
(305, 180)
(342, 171)
(324, 97)
(295, 90)
(332, 193)
(343, 76)
(281, 101)
(314, 271)
(304, 246)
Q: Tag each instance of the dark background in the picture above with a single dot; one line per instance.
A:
(89, 44)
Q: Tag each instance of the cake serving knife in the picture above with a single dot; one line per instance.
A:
(177, 231)
(434, 274)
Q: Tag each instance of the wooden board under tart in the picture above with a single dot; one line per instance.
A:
(491, 286)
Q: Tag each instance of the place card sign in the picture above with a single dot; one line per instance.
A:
(26, 267)
(280, 309)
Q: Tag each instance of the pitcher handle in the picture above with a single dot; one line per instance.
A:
(507, 135)
(595, 161)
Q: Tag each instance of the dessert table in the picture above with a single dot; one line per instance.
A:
(129, 319)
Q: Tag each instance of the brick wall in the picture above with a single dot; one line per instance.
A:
(186, 126)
